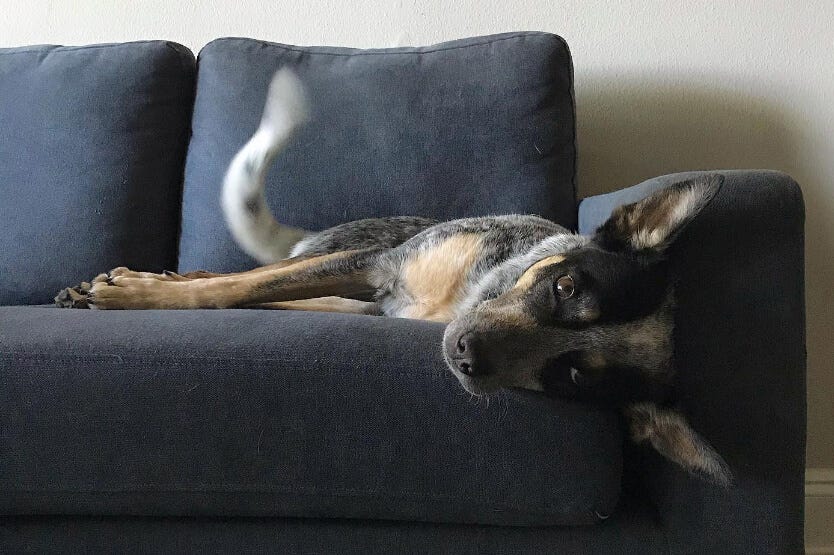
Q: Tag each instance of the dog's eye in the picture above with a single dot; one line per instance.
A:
(564, 287)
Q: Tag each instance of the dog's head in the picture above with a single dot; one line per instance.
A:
(590, 318)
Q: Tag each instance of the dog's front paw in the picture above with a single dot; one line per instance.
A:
(79, 296)
(122, 288)
(73, 297)
(76, 297)
(135, 291)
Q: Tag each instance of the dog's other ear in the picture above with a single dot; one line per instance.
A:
(672, 436)
(655, 221)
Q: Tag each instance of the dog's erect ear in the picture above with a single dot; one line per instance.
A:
(672, 436)
(655, 221)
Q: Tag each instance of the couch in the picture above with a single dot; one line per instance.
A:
(292, 432)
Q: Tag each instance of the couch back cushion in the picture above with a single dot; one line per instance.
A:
(470, 127)
(92, 147)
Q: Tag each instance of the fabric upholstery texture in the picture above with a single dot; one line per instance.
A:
(465, 128)
(270, 413)
(92, 146)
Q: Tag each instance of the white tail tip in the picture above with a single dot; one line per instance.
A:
(286, 104)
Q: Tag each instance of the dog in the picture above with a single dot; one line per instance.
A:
(526, 303)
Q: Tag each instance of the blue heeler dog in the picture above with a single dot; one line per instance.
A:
(527, 303)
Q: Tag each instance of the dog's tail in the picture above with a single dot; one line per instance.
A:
(244, 204)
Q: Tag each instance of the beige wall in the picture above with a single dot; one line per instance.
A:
(661, 86)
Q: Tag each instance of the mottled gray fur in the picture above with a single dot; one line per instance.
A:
(363, 234)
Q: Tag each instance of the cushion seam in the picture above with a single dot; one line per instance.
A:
(383, 52)
(121, 357)
(52, 47)
(364, 494)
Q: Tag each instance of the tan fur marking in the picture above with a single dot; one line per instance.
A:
(434, 277)
(647, 335)
(323, 304)
(672, 436)
(512, 315)
(680, 441)
(650, 221)
(593, 360)
(529, 276)
(588, 314)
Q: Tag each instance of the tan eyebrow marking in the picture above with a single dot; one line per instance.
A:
(529, 276)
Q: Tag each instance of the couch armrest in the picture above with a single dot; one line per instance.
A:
(740, 357)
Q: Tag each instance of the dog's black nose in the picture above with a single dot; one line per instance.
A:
(465, 367)
(463, 354)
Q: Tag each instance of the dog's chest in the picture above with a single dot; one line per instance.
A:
(431, 281)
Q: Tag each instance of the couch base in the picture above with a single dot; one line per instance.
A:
(626, 532)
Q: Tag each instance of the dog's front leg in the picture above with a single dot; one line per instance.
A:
(341, 273)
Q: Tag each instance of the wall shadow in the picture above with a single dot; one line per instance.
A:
(633, 129)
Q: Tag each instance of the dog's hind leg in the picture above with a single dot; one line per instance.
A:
(344, 273)
(325, 304)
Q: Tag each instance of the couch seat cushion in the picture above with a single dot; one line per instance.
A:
(92, 149)
(465, 128)
(266, 413)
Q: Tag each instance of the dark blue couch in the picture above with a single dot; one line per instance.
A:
(263, 431)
